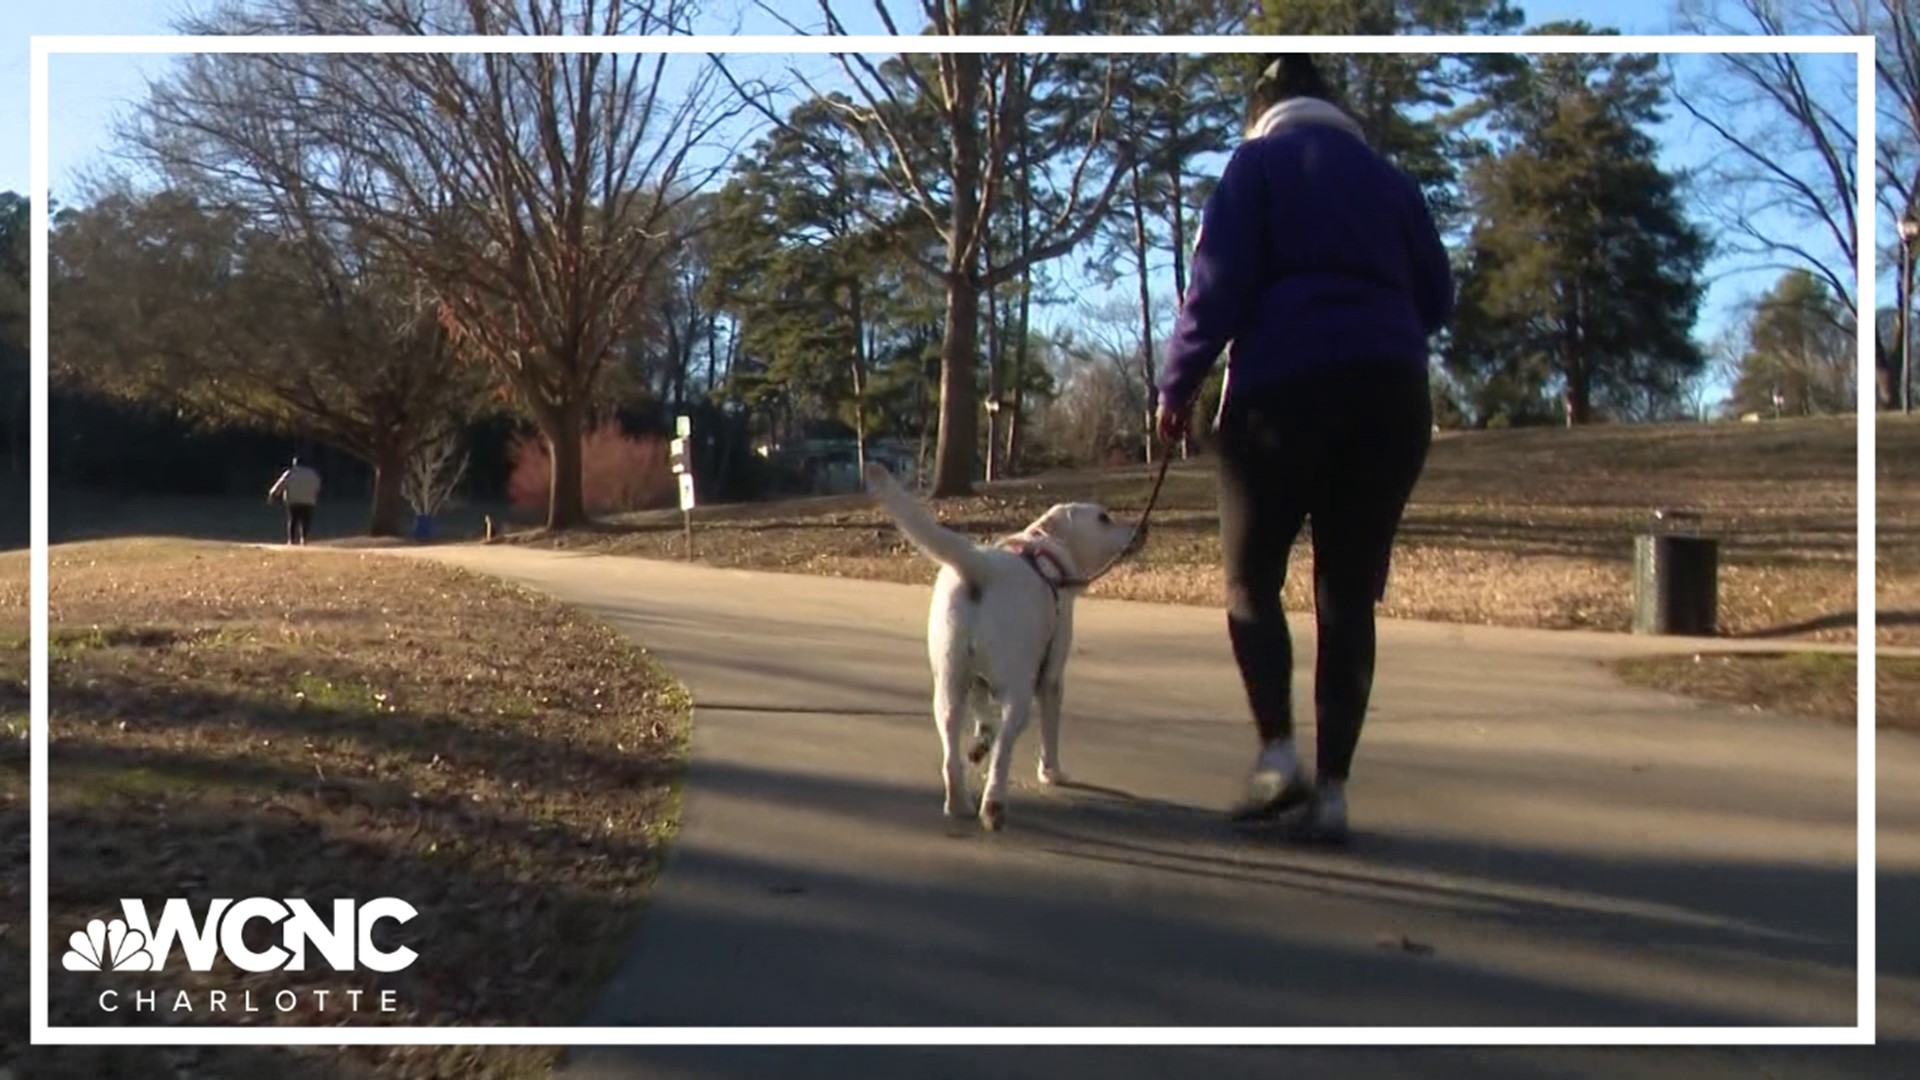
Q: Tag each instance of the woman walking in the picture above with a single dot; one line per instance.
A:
(1319, 262)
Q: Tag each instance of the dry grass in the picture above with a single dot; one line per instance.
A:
(237, 722)
(14, 848)
(1818, 685)
(1520, 528)
(1897, 528)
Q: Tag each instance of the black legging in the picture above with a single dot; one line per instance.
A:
(299, 522)
(1343, 449)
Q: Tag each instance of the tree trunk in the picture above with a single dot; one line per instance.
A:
(1573, 362)
(996, 386)
(859, 364)
(733, 350)
(959, 436)
(389, 501)
(859, 442)
(1903, 358)
(1023, 343)
(920, 454)
(956, 444)
(1020, 361)
(564, 428)
(672, 388)
(1178, 180)
(683, 362)
(1140, 262)
(1177, 193)
(713, 347)
(1579, 393)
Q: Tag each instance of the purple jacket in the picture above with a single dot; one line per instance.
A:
(1313, 252)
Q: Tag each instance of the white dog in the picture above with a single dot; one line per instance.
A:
(999, 631)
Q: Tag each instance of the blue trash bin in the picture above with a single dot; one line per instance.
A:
(423, 526)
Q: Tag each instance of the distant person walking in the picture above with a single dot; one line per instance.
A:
(299, 490)
(1319, 262)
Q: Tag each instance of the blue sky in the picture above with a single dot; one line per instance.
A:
(87, 91)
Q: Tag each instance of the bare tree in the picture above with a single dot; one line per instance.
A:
(943, 130)
(1697, 397)
(1787, 123)
(1101, 368)
(1792, 141)
(1087, 419)
(660, 358)
(534, 194)
(438, 465)
(1895, 26)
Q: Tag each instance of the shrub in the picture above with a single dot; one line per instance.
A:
(618, 472)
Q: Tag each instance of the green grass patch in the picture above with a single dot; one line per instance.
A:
(344, 695)
(93, 783)
(1818, 685)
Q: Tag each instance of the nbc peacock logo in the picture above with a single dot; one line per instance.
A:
(308, 939)
(107, 946)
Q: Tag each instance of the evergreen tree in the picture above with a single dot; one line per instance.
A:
(1582, 277)
(809, 276)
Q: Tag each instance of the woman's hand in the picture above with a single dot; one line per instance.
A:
(1172, 422)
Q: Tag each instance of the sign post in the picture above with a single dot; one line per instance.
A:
(680, 457)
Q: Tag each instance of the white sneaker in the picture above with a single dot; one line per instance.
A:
(1327, 817)
(1276, 785)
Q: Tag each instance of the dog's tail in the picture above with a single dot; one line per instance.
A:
(941, 544)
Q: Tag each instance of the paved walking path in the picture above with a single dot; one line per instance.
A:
(1546, 845)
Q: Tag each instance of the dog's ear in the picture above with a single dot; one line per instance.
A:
(1038, 526)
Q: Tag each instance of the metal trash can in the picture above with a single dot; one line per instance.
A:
(1676, 577)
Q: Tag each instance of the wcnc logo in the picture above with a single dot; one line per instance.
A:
(134, 943)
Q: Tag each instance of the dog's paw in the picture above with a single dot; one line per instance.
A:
(959, 809)
(1052, 775)
(993, 815)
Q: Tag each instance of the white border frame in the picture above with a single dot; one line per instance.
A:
(1861, 1034)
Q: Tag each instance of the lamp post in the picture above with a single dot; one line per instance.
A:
(1909, 229)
